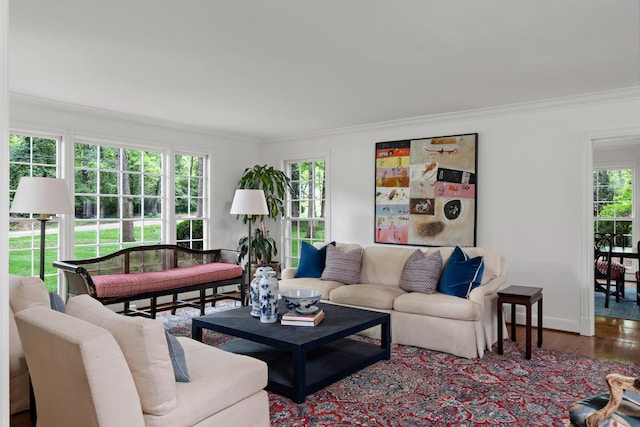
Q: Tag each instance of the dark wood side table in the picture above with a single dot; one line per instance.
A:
(523, 295)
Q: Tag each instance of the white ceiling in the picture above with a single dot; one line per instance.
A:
(268, 69)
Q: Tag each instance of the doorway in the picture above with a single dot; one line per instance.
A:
(613, 150)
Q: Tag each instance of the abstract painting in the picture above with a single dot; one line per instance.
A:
(426, 191)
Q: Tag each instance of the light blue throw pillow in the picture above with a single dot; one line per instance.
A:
(461, 274)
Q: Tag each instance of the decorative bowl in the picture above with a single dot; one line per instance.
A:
(301, 300)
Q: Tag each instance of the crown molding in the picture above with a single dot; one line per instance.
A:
(132, 118)
(618, 95)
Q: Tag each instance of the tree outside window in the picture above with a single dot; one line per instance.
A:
(613, 203)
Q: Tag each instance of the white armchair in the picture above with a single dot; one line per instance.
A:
(84, 374)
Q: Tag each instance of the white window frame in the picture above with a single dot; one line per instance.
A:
(101, 222)
(206, 185)
(34, 226)
(289, 257)
(631, 240)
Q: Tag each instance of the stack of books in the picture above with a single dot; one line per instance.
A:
(293, 318)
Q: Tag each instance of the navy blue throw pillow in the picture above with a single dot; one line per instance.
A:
(461, 274)
(312, 260)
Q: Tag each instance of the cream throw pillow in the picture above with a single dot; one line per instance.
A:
(144, 346)
(30, 292)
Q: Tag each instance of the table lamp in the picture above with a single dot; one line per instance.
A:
(43, 196)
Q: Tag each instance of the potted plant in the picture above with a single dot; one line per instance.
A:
(275, 185)
(263, 247)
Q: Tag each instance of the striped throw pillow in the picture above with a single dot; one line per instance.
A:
(342, 267)
(422, 272)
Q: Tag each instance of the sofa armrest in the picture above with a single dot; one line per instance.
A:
(491, 287)
(288, 273)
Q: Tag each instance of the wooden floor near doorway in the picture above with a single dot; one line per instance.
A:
(615, 339)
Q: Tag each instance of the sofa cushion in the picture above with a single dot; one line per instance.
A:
(384, 265)
(461, 274)
(422, 272)
(178, 360)
(117, 285)
(312, 260)
(144, 346)
(219, 380)
(342, 266)
(366, 295)
(438, 305)
(30, 292)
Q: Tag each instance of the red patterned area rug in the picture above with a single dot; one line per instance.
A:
(419, 387)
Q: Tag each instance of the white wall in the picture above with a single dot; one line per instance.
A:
(4, 216)
(230, 156)
(531, 192)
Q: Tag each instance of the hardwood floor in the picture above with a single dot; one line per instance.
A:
(615, 339)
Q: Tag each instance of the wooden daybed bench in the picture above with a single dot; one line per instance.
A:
(153, 271)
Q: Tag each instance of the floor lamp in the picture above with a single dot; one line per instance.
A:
(43, 196)
(249, 203)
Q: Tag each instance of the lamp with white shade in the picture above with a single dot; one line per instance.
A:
(43, 196)
(249, 203)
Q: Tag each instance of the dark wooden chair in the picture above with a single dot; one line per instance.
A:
(606, 270)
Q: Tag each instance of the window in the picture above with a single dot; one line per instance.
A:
(613, 203)
(118, 199)
(305, 220)
(31, 155)
(190, 201)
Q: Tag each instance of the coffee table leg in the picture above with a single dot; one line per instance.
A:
(196, 333)
(385, 341)
(299, 376)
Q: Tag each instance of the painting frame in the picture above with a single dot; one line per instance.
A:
(426, 191)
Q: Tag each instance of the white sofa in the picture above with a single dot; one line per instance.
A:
(464, 327)
(93, 367)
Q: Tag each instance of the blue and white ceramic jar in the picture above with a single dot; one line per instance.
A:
(268, 297)
(254, 290)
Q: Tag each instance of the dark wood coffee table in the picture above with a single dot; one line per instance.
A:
(302, 359)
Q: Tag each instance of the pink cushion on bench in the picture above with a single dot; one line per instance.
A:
(119, 285)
